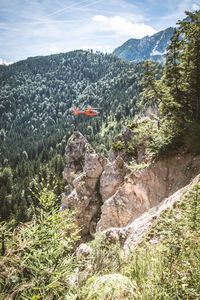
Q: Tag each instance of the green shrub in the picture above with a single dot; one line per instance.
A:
(118, 145)
(111, 286)
(156, 138)
(133, 125)
(37, 256)
(106, 257)
(131, 150)
(170, 267)
(134, 166)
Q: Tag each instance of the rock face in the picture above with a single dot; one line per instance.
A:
(105, 194)
(146, 188)
(82, 172)
(132, 234)
(111, 178)
(148, 48)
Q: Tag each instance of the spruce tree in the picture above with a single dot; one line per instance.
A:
(172, 73)
(189, 31)
(179, 89)
(156, 90)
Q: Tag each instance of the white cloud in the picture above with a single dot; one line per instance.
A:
(122, 27)
(54, 50)
(195, 6)
(100, 18)
(5, 62)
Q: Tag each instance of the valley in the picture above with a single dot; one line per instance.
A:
(103, 206)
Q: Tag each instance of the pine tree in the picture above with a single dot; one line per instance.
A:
(179, 89)
(172, 73)
(190, 62)
(157, 91)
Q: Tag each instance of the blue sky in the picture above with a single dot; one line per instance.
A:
(43, 27)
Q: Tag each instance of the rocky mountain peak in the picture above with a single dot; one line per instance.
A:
(148, 48)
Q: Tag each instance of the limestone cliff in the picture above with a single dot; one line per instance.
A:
(131, 234)
(106, 194)
(144, 189)
(83, 170)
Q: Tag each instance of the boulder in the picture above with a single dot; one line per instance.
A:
(83, 251)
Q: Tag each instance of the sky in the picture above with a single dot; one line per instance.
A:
(42, 27)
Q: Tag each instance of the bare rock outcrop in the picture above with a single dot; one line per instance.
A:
(129, 236)
(83, 251)
(82, 172)
(106, 195)
(146, 188)
(112, 177)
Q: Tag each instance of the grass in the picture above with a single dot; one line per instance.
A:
(38, 260)
(36, 257)
(166, 265)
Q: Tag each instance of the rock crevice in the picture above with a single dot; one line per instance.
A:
(82, 172)
(105, 194)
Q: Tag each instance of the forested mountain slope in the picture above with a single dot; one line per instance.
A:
(38, 95)
(37, 99)
(148, 182)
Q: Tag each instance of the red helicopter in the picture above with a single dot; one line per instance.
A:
(89, 112)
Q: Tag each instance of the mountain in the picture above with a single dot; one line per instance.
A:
(37, 97)
(137, 210)
(148, 48)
